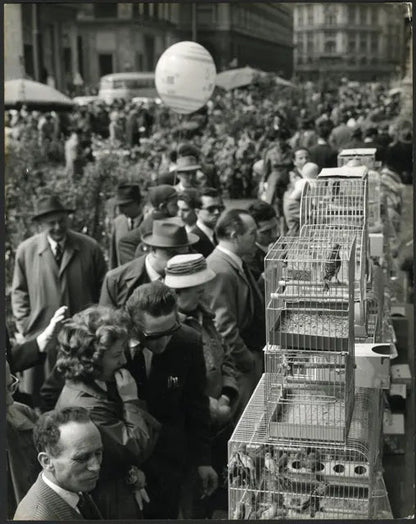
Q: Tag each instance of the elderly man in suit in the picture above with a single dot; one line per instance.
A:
(129, 202)
(236, 299)
(208, 212)
(167, 239)
(167, 362)
(56, 267)
(69, 450)
(163, 200)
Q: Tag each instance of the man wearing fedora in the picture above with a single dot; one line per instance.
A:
(56, 267)
(163, 200)
(167, 239)
(128, 200)
(186, 172)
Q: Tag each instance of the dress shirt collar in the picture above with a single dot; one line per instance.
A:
(53, 244)
(207, 230)
(322, 142)
(69, 497)
(151, 273)
(232, 255)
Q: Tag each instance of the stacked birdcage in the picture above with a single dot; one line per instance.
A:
(277, 478)
(308, 443)
(310, 334)
(360, 156)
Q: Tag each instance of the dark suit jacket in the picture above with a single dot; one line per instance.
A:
(323, 155)
(119, 283)
(119, 230)
(204, 245)
(237, 318)
(42, 503)
(175, 395)
(23, 356)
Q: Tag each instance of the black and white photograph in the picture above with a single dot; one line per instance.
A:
(208, 261)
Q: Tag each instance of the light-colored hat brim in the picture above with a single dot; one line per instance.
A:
(187, 168)
(151, 241)
(189, 280)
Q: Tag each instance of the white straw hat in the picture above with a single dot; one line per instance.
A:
(189, 270)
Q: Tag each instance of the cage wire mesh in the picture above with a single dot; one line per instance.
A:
(310, 294)
(338, 197)
(309, 395)
(276, 478)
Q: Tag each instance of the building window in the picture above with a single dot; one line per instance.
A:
(330, 47)
(330, 15)
(28, 60)
(300, 16)
(362, 14)
(351, 14)
(156, 11)
(374, 14)
(104, 10)
(351, 45)
(309, 43)
(67, 59)
(105, 63)
(374, 43)
(146, 10)
(363, 44)
(310, 14)
(138, 60)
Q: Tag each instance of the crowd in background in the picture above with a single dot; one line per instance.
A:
(169, 353)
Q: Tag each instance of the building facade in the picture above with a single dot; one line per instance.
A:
(41, 42)
(59, 42)
(259, 35)
(360, 41)
(131, 37)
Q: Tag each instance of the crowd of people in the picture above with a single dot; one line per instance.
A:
(135, 365)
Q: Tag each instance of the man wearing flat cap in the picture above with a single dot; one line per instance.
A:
(56, 267)
(167, 239)
(128, 200)
(164, 204)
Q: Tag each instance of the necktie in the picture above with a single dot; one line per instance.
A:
(87, 507)
(58, 254)
(131, 223)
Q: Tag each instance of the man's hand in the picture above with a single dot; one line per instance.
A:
(220, 410)
(126, 385)
(52, 329)
(209, 480)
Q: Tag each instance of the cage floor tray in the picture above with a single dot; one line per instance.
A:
(309, 414)
(311, 329)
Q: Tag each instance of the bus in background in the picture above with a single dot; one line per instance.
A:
(127, 86)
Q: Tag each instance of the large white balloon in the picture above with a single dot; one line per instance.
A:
(185, 77)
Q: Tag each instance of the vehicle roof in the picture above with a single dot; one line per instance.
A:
(126, 75)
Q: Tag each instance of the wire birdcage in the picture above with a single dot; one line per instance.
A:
(363, 156)
(309, 395)
(338, 197)
(374, 199)
(275, 478)
(310, 294)
(331, 234)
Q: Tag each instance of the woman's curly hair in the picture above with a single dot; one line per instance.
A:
(84, 339)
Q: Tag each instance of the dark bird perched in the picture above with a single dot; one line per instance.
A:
(332, 266)
(336, 186)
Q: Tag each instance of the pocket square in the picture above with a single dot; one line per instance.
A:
(173, 382)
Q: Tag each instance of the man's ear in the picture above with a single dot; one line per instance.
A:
(233, 236)
(45, 461)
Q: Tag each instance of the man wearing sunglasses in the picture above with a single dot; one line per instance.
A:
(210, 208)
(167, 362)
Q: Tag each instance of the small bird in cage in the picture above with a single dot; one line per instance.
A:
(336, 186)
(314, 501)
(301, 457)
(248, 464)
(270, 512)
(332, 266)
(270, 464)
(313, 460)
